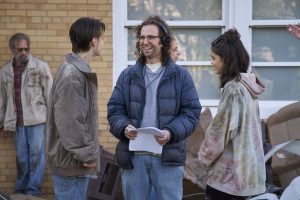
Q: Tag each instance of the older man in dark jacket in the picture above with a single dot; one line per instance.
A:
(154, 92)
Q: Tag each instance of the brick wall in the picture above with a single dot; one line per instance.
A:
(47, 23)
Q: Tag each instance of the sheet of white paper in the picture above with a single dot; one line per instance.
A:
(145, 140)
(151, 130)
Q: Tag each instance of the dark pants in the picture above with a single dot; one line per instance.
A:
(213, 194)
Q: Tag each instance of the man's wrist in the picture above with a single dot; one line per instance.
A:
(169, 134)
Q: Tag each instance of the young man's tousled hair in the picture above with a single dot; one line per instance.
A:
(82, 32)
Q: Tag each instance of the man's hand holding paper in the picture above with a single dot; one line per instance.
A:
(148, 139)
(130, 132)
(162, 140)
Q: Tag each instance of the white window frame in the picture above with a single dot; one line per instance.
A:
(236, 13)
(268, 107)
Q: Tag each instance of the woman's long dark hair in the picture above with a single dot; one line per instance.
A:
(234, 55)
(165, 34)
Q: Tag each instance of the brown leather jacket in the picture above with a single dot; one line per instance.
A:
(72, 120)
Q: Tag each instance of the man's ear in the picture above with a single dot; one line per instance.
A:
(161, 45)
(94, 41)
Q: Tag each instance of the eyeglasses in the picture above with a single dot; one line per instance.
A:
(20, 50)
(148, 37)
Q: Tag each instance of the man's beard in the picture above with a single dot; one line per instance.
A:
(21, 59)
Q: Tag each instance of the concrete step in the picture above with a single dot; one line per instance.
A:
(24, 197)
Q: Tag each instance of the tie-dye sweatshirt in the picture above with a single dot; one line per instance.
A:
(232, 149)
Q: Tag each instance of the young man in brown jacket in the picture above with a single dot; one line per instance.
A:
(72, 147)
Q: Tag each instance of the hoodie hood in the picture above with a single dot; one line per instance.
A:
(253, 84)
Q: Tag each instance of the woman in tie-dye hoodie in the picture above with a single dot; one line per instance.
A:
(232, 150)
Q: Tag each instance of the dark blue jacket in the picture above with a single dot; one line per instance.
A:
(178, 108)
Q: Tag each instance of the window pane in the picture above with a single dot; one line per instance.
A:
(276, 9)
(283, 83)
(175, 10)
(206, 81)
(131, 44)
(193, 43)
(274, 45)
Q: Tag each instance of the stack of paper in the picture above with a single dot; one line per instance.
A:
(145, 140)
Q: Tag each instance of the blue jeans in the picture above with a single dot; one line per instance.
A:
(29, 142)
(67, 188)
(153, 195)
(148, 172)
